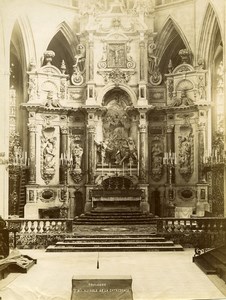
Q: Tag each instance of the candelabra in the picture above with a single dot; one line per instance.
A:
(169, 160)
(17, 163)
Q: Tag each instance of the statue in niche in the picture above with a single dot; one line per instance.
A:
(185, 153)
(76, 152)
(157, 155)
(49, 154)
(156, 160)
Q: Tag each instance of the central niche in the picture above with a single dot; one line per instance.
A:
(119, 132)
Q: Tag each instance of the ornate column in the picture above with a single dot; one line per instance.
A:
(32, 156)
(63, 151)
(201, 151)
(91, 149)
(142, 154)
(170, 138)
(142, 44)
(90, 57)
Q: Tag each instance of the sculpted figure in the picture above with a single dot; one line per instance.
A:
(77, 153)
(130, 150)
(49, 154)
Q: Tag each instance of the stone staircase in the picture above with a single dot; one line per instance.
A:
(213, 262)
(114, 242)
(101, 217)
(114, 230)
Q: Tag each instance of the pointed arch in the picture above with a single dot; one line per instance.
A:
(28, 40)
(170, 40)
(64, 44)
(210, 36)
(69, 35)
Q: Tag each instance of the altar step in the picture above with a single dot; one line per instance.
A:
(96, 217)
(213, 262)
(115, 243)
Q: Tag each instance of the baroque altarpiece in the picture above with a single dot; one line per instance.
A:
(116, 132)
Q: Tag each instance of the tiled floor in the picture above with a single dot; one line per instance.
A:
(156, 275)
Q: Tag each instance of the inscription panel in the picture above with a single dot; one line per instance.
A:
(101, 288)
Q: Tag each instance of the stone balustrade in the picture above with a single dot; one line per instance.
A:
(40, 226)
(205, 224)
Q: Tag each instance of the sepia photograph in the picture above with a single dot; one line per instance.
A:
(112, 150)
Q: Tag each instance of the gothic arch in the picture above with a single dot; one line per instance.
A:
(69, 35)
(170, 40)
(210, 36)
(21, 54)
(64, 44)
(28, 41)
(121, 86)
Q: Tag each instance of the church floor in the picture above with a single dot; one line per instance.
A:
(156, 275)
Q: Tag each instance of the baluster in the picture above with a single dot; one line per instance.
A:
(38, 226)
(26, 227)
(169, 226)
(203, 227)
(57, 226)
(166, 226)
(179, 225)
(185, 225)
(52, 225)
(209, 227)
(63, 226)
(197, 226)
(190, 225)
(172, 226)
(182, 225)
(44, 229)
(32, 227)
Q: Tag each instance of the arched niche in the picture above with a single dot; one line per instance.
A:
(119, 130)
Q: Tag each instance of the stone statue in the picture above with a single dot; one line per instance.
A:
(130, 150)
(77, 152)
(49, 154)
(103, 149)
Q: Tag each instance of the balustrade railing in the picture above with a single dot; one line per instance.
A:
(40, 226)
(204, 224)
